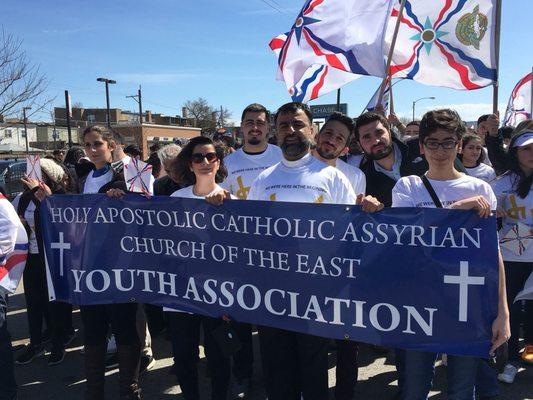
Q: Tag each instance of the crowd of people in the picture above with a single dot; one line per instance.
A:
(374, 161)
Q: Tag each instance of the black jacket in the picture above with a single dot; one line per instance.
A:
(380, 185)
(497, 154)
(165, 186)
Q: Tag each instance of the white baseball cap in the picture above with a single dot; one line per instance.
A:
(525, 139)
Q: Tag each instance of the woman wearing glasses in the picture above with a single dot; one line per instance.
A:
(199, 165)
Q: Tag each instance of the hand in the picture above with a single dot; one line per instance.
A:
(43, 191)
(115, 193)
(369, 203)
(493, 122)
(217, 198)
(478, 203)
(501, 331)
(29, 182)
(501, 213)
(393, 119)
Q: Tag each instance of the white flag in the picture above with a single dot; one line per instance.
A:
(444, 43)
(519, 106)
(331, 43)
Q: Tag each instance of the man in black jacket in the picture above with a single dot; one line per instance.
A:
(387, 158)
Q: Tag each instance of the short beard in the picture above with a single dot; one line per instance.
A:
(254, 141)
(295, 151)
(326, 155)
(381, 155)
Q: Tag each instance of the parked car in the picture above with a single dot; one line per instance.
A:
(10, 176)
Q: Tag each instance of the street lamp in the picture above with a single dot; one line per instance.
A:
(25, 127)
(107, 83)
(422, 98)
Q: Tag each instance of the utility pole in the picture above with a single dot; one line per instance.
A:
(25, 127)
(138, 99)
(67, 111)
(107, 83)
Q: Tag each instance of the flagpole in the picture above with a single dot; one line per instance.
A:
(391, 99)
(339, 100)
(496, 56)
(531, 99)
(391, 51)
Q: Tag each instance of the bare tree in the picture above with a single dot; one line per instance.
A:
(21, 82)
(224, 116)
(201, 112)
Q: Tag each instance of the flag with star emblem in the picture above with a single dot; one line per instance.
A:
(446, 43)
(519, 106)
(331, 43)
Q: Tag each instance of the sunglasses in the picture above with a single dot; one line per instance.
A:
(198, 158)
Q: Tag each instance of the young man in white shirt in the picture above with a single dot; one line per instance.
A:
(243, 166)
(440, 140)
(332, 142)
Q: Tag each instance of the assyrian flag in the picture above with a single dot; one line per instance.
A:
(12, 260)
(331, 43)
(372, 104)
(519, 106)
(446, 43)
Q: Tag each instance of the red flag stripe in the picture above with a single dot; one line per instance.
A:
(312, 6)
(316, 89)
(405, 20)
(332, 59)
(442, 12)
(397, 68)
(276, 43)
(461, 69)
(12, 261)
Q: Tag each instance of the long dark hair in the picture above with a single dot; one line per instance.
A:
(181, 166)
(522, 183)
(468, 138)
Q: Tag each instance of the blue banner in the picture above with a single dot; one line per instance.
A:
(423, 279)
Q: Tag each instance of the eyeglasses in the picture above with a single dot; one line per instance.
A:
(434, 144)
(198, 158)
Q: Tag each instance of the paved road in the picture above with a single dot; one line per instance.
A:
(38, 381)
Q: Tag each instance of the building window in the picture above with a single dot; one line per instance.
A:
(8, 133)
(91, 118)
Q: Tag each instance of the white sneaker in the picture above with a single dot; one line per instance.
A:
(508, 374)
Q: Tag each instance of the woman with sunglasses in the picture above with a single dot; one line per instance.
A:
(199, 166)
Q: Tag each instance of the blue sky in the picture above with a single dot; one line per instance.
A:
(179, 50)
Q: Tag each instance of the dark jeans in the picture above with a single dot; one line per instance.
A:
(36, 294)
(294, 364)
(243, 360)
(184, 331)
(346, 371)
(122, 317)
(516, 274)
(61, 323)
(8, 385)
(420, 370)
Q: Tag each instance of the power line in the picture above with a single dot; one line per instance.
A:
(274, 7)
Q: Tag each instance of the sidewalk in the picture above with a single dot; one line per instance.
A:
(38, 381)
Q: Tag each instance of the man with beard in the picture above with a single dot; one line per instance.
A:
(332, 142)
(296, 364)
(244, 165)
(254, 156)
(387, 158)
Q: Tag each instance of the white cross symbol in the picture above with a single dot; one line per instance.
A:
(61, 245)
(463, 280)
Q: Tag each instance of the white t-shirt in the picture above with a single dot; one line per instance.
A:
(187, 192)
(243, 168)
(516, 239)
(410, 191)
(93, 185)
(306, 180)
(29, 216)
(482, 171)
(355, 176)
